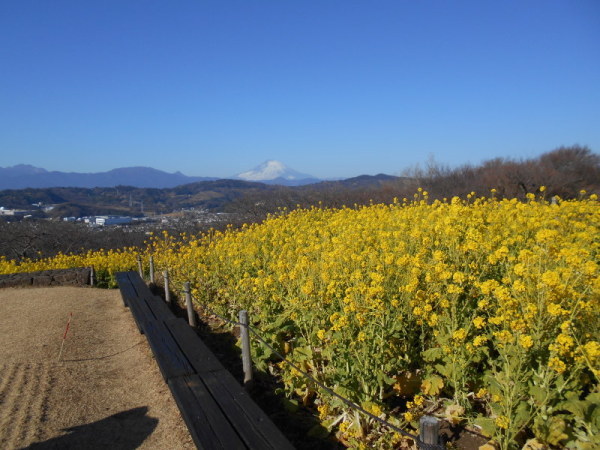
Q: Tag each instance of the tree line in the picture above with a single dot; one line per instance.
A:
(564, 172)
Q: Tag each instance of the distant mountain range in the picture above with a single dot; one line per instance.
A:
(24, 176)
(135, 190)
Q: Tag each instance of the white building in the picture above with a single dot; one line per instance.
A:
(112, 220)
(12, 212)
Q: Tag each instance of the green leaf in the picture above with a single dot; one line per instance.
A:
(444, 370)
(350, 394)
(551, 431)
(278, 323)
(538, 393)
(556, 431)
(318, 431)
(384, 380)
(328, 353)
(522, 414)
(593, 398)
(575, 407)
(290, 404)
(303, 353)
(488, 426)
(432, 385)
(432, 354)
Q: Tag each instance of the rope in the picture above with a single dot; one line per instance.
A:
(214, 313)
(331, 392)
(347, 401)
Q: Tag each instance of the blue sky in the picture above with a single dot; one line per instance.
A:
(331, 88)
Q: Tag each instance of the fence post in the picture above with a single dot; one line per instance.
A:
(188, 302)
(151, 269)
(92, 276)
(246, 357)
(429, 430)
(140, 269)
(167, 291)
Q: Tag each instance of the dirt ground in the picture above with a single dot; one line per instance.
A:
(105, 392)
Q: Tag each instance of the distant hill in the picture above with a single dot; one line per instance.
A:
(76, 201)
(360, 182)
(216, 195)
(26, 176)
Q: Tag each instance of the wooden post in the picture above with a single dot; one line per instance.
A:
(188, 302)
(92, 280)
(429, 430)
(140, 269)
(246, 356)
(167, 291)
(151, 269)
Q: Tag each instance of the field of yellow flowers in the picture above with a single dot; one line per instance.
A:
(485, 311)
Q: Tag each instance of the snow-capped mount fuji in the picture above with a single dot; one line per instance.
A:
(276, 172)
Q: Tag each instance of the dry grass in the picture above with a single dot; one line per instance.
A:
(105, 392)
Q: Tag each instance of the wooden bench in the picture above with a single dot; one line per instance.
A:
(217, 410)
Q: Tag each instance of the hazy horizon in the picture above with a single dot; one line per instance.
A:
(233, 175)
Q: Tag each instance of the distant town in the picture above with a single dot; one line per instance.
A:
(197, 215)
(25, 213)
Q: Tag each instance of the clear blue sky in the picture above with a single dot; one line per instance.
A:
(331, 88)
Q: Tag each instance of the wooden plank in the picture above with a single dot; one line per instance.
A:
(139, 284)
(127, 292)
(208, 426)
(198, 354)
(133, 288)
(127, 285)
(246, 427)
(138, 314)
(252, 423)
(124, 286)
(171, 360)
(131, 300)
(159, 308)
(140, 311)
(127, 277)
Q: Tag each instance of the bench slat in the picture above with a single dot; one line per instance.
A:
(139, 314)
(198, 354)
(253, 424)
(142, 290)
(131, 299)
(125, 286)
(133, 278)
(159, 308)
(171, 361)
(210, 429)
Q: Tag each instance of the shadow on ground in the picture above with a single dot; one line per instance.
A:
(122, 431)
